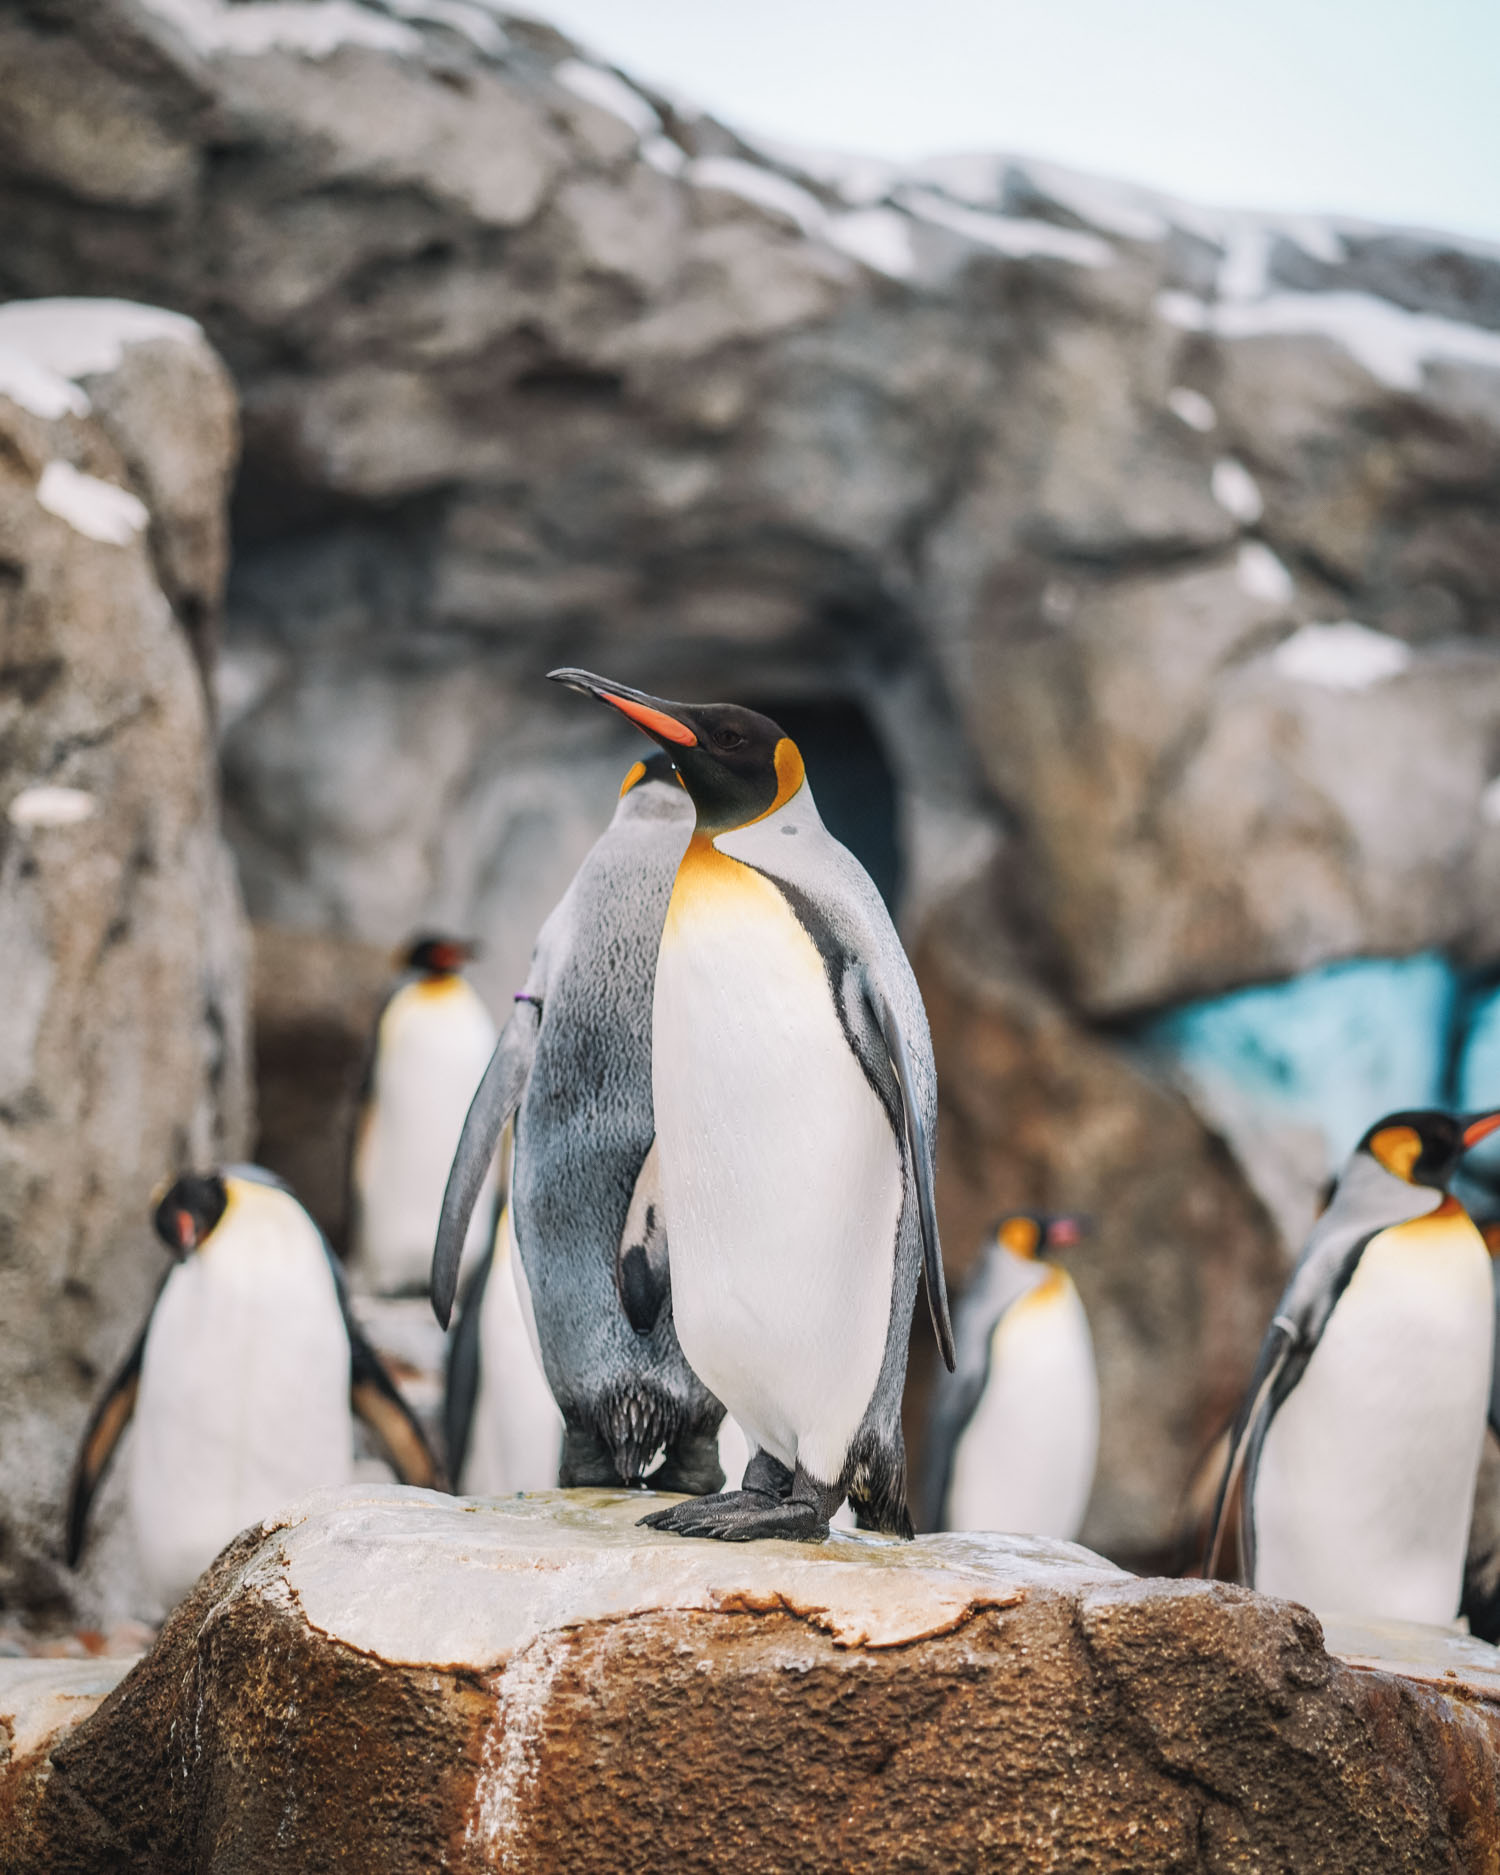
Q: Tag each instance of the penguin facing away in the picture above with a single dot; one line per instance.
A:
(795, 1101)
(574, 1066)
(243, 1384)
(431, 1043)
(1014, 1435)
(501, 1423)
(1355, 1451)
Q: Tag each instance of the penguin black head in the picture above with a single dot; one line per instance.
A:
(186, 1217)
(1034, 1233)
(437, 956)
(1424, 1147)
(737, 766)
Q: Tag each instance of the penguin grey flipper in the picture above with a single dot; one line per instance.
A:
(495, 1100)
(642, 1274)
(1275, 1373)
(920, 1160)
(106, 1424)
(461, 1380)
(376, 1399)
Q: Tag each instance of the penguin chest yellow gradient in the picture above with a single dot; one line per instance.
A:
(244, 1397)
(1366, 1478)
(780, 1170)
(1025, 1461)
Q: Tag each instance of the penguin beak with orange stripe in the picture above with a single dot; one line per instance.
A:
(736, 765)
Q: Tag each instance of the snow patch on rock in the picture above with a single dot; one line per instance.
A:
(31, 385)
(1261, 574)
(1192, 408)
(84, 338)
(101, 510)
(315, 29)
(1235, 491)
(880, 237)
(1014, 235)
(48, 806)
(609, 92)
(1342, 656)
(763, 187)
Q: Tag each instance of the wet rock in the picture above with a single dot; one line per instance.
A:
(122, 943)
(397, 1681)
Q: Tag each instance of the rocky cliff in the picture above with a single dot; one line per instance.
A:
(123, 1045)
(1159, 548)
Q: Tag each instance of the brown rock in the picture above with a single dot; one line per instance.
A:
(395, 1681)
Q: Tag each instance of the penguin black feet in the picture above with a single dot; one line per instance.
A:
(691, 1465)
(772, 1503)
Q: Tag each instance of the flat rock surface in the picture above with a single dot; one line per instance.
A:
(391, 1681)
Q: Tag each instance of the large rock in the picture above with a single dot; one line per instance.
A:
(122, 943)
(395, 1681)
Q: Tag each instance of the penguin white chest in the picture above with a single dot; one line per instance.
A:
(517, 1435)
(1025, 1461)
(780, 1169)
(244, 1393)
(1366, 1478)
(434, 1044)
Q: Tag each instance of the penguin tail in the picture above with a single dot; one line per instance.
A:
(876, 1485)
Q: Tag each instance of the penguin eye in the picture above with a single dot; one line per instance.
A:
(727, 739)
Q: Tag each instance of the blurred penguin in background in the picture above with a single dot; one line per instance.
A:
(1014, 1434)
(1353, 1458)
(573, 1065)
(431, 1044)
(501, 1423)
(244, 1384)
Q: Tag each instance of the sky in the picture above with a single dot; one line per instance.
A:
(1384, 109)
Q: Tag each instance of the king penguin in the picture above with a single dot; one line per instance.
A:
(573, 1064)
(1014, 1435)
(1354, 1454)
(795, 1097)
(501, 1423)
(431, 1042)
(243, 1384)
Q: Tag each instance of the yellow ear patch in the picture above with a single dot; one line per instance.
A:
(635, 773)
(1020, 1236)
(1398, 1149)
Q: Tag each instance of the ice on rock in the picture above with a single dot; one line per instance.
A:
(1342, 656)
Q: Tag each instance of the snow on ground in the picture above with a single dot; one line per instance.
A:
(1341, 656)
(609, 92)
(101, 510)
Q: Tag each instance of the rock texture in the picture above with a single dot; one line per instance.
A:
(1161, 547)
(395, 1681)
(122, 953)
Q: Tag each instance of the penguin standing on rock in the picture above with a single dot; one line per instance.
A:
(795, 1102)
(1355, 1452)
(1015, 1433)
(432, 1041)
(243, 1384)
(574, 1066)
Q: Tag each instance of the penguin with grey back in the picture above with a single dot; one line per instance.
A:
(573, 1065)
(1014, 1435)
(243, 1384)
(795, 1100)
(1353, 1458)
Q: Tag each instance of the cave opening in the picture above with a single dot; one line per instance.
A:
(850, 777)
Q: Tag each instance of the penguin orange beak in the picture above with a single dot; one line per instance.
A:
(662, 721)
(1480, 1127)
